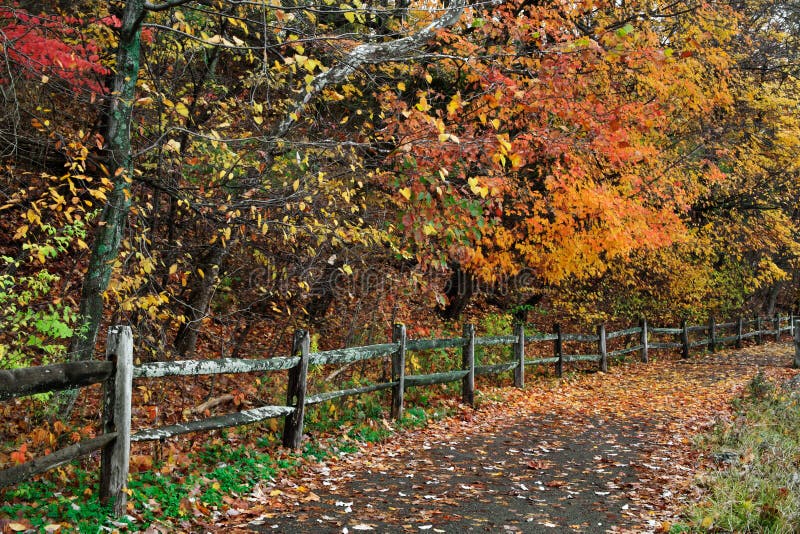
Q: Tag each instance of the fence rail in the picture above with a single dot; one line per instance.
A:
(117, 373)
(56, 377)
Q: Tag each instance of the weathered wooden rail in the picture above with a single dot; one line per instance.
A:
(118, 372)
(115, 373)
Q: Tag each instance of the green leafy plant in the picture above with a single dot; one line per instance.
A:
(36, 331)
(209, 475)
(494, 324)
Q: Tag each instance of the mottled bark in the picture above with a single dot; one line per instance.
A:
(114, 216)
(115, 213)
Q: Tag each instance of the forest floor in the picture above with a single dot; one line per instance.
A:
(591, 452)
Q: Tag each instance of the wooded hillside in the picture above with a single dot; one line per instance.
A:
(218, 173)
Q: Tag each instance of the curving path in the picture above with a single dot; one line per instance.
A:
(598, 452)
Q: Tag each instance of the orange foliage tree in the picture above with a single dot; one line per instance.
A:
(557, 141)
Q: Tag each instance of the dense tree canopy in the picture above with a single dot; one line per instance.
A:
(346, 164)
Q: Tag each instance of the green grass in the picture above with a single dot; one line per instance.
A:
(756, 487)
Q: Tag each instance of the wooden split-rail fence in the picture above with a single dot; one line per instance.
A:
(117, 373)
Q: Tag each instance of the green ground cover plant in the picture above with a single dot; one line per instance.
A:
(178, 488)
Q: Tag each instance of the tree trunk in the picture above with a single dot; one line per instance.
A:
(459, 291)
(199, 300)
(772, 299)
(115, 212)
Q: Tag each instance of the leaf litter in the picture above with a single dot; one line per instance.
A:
(591, 452)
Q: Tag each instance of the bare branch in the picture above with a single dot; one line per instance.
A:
(164, 6)
(365, 54)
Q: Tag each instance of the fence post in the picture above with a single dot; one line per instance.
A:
(758, 330)
(645, 341)
(778, 327)
(685, 338)
(558, 349)
(601, 344)
(117, 418)
(296, 391)
(797, 343)
(519, 355)
(712, 335)
(399, 370)
(739, 332)
(468, 364)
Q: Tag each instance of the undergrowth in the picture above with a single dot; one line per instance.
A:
(181, 489)
(756, 485)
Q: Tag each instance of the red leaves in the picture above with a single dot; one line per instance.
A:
(20, 456)
(539, 464)
(41, 47)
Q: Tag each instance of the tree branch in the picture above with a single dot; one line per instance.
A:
(365, 54)
(164, 6)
